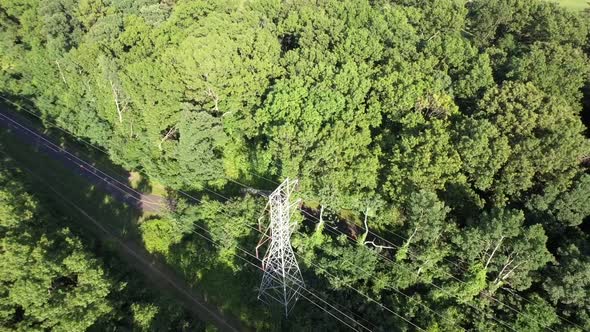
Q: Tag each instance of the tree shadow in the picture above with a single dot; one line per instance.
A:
(49, 176)
(231, 284)
(143, 185)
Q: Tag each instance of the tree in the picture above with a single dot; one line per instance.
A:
(47, 279)
(449, 128)
(544, 136)
(482, 149)
(195, 149)
(144, 315)
(559, 71)
(536, 316)
(567, 282)
(565, 203)
(159, 234)
(529, 21)
(422, 156)
(229, 224)
(426, 232)
(509, 253)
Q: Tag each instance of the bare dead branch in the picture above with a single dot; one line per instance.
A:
(116, 98)
(512, 270)
(211, 94)
(63, 78)
(493, 252)
(170, 132)
(378, 245)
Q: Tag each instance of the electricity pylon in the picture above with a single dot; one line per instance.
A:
(282, 278)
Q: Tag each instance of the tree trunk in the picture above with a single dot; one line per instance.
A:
(116, 97)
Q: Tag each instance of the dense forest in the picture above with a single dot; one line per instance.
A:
(441, 150)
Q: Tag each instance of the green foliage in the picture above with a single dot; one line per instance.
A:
(536, 316)
(548, 66)
(474, 282)
(347, 265)
(544, 136)
(529, 21)
(567, 282)
(573, 206)
(454, 127)
(159, 234)
(509, 253)
(422, 156)
(229, 224)
(56, 276)
(483, 151)
(426, 229)
(47, 279)
(143, 315)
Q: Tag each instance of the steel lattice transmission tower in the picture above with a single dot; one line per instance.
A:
(282, 280)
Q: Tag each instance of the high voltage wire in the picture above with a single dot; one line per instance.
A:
(99, 225)
(465, 283)
(405, 239)
(259, 268)
(95, 168)
(447, 273)
(63, 198)
(429, 282)
(388, 259)
(81, 163)
(243, 185)
(248, 188)
(193, 198)
(438, 287)
(348, 285)
(258, 231)
(458, 265)
(445, 259)
(274, 182)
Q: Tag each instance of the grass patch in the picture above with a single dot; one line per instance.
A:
(142, 183)
(158, 189)
(135, 180)
(574, 4)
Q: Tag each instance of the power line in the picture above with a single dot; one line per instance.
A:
(80, 162)
(387, 258)
(438, 287)
(196, 200)
(259, 176)
(279, 262)
(445, 259)
(79, 209)
(356, 290)
(135, 254)
(54, 124)
(458, 265)
(348, 285)
(278, 300)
